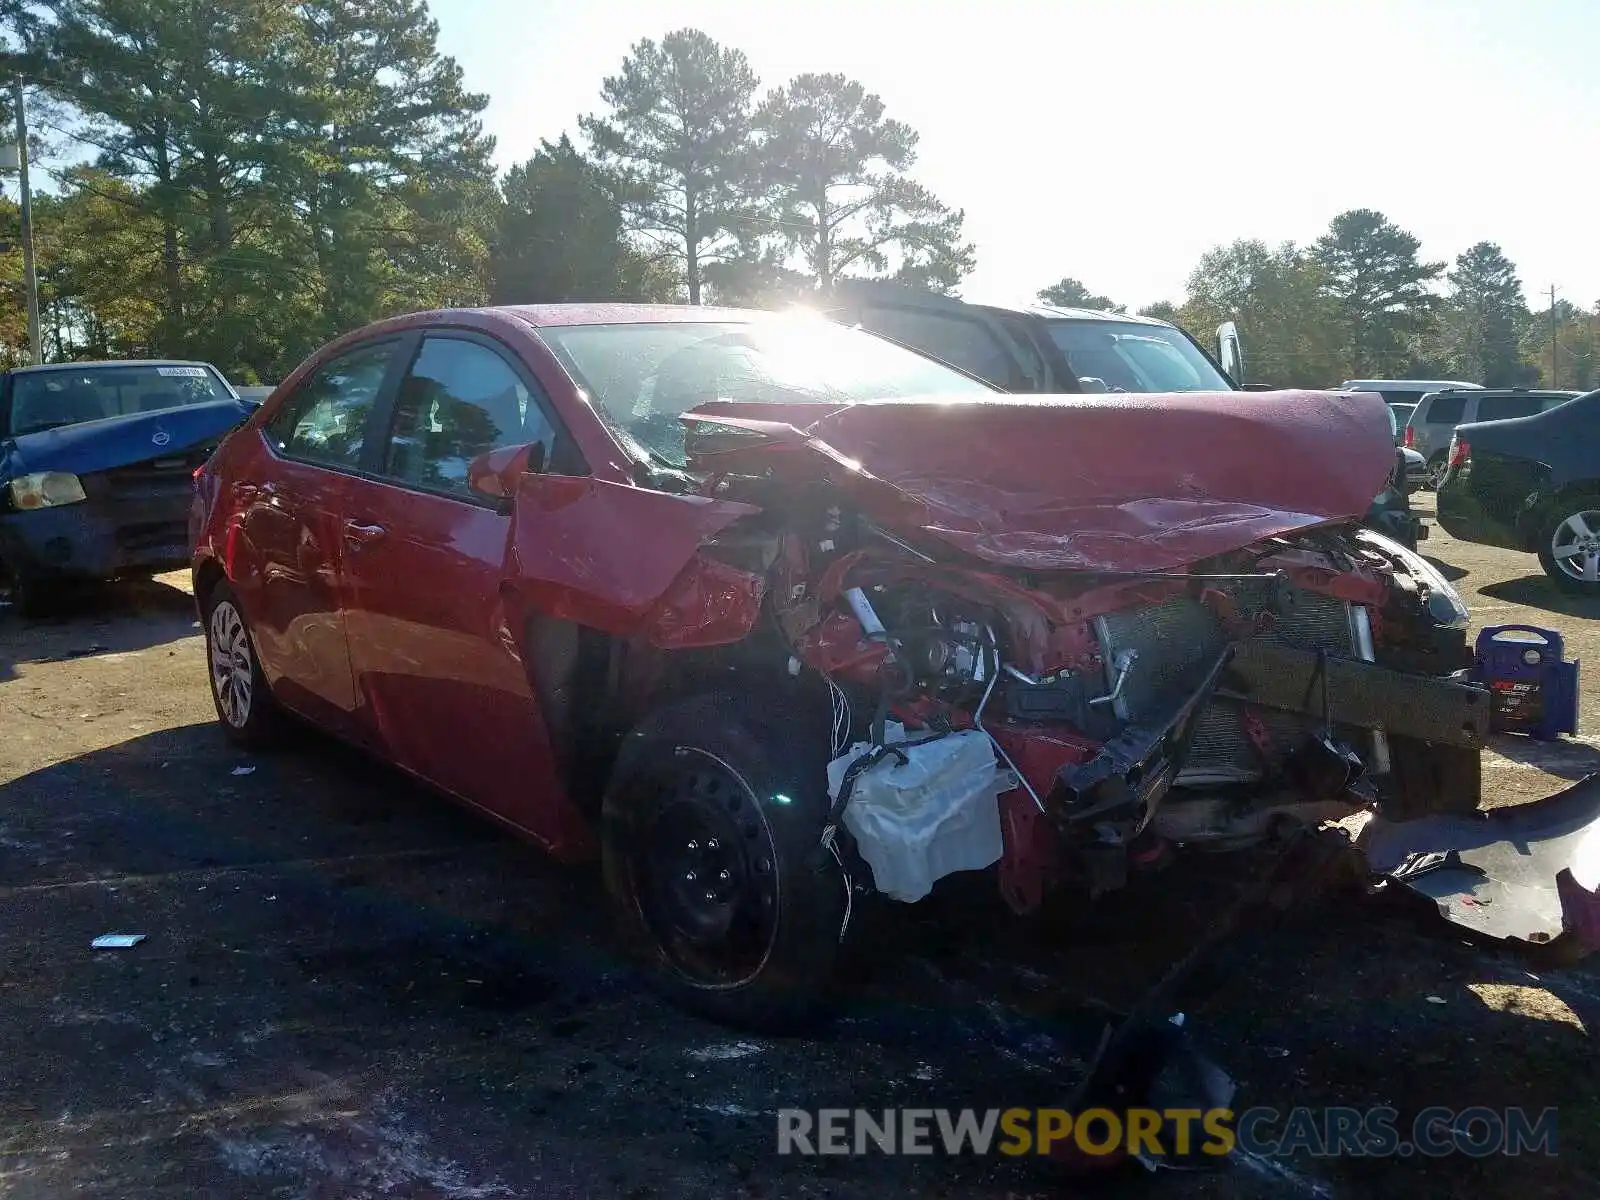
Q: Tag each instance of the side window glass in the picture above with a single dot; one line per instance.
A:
(460, 399)
(325, 420)
(961, 343)
(1446, 410)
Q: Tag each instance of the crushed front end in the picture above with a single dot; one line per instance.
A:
(1314, 675)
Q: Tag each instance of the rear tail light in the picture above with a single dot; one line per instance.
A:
(1460, 452)
(1410, 438)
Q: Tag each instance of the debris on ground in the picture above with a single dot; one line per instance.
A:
(117, 941)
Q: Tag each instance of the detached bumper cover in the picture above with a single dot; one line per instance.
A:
(1529, 873)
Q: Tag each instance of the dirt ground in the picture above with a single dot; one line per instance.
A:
(351, 989)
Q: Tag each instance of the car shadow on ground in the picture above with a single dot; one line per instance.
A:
(311, 916)
(1450, 573)
(113, 618)
(1537, 591)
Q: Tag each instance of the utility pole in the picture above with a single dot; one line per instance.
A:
(1555, 373)
(30, 280)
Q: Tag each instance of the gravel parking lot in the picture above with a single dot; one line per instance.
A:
(350, 989)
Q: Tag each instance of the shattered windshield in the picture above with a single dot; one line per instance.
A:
(1124, 357)
(49, 399)
(643, 377)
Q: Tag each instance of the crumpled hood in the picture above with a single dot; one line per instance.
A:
(118, 441)
(1100, 482)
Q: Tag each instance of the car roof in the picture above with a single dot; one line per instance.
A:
(1483, 393)
(886, 292)
(1053, 312)
(625, 314)
(111, 362)
(1409, 385)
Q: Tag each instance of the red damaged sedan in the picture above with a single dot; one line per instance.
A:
(769, 613)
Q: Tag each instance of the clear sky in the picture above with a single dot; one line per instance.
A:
(1117, 140)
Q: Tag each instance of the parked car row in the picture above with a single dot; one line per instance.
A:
(1437, 415)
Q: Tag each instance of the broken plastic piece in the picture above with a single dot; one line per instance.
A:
(1526, 872)
(117, 941)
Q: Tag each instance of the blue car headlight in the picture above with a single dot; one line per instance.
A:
(47, 489)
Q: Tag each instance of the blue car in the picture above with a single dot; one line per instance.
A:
(96, 467)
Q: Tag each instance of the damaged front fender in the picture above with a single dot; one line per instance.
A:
(1526, 873)
(626, 560)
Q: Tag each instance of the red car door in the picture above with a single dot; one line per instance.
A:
(432, 647)
(288, 551)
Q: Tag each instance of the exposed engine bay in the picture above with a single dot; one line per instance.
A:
(1302, 680)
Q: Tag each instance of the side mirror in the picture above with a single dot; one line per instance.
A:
(495, 474)
(1230, 353)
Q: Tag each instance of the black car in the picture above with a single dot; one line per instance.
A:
(96, 468)
(1531, 484)
(1053, 350)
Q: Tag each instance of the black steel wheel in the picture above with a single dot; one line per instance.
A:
(710, 833)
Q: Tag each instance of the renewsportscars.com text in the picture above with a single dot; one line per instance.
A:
(1263, 1132)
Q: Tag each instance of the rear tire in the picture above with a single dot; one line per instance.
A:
(1569, 543)
(245, 708)
(1436, 469)
(710, 838)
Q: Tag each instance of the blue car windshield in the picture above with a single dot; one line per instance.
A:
(49, 399)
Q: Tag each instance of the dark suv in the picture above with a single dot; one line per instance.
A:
(1052, 350)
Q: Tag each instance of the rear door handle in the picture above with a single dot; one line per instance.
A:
(359, 535)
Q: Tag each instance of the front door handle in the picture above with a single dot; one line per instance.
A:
(359, 535)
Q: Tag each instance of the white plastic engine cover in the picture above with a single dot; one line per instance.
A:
(918, 821)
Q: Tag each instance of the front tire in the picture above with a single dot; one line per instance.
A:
(1569, 545)
(245, 708)
(710, 837)
(37, 599)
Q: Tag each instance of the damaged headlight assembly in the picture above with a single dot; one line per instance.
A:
(1445, 605)
(47, 489)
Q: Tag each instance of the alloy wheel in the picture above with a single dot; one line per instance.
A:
(232, 668)
(1575, 546)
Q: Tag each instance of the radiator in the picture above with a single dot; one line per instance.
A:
(1178, 639)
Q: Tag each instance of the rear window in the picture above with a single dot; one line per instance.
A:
(1441, 410)
(1503, 408)
(1393, 397)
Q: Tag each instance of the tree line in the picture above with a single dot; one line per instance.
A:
(241, 180)
(1360, 302)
